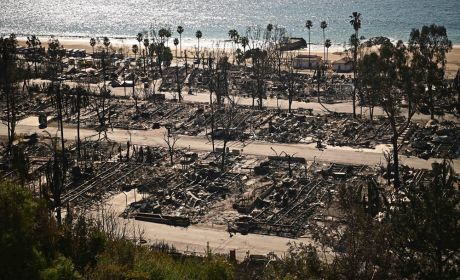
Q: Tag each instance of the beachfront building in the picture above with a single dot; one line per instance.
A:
(305, 61)
(343, 65)
(293, 43)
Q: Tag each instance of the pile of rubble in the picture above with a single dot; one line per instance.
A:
(335, 130)
(358, 133)
(97, 181)
(183, 197)
(28, 105)
(283, 205)
(435, 139)
(123, 114)
(283, 209)
(107, 166)
(188, 196)
(289, 128)
(170, 76)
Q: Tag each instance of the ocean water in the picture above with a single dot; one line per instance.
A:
(125, 18)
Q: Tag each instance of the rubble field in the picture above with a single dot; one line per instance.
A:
(434, 139)
(278, 195)
(431, 139)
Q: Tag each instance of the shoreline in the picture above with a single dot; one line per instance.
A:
(125, 43)
(187, 42)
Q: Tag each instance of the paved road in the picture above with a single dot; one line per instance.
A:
(197, 143)
(196, 237)
(318, 108)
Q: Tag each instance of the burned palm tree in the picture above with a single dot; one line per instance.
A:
(146, 48)
(198, 35)
(355, 21)
(140, 38)
(323, 26)
(176, 42)
(180, 30)
(309, 25)
(92, 43)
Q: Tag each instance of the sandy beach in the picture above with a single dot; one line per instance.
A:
(335, 52)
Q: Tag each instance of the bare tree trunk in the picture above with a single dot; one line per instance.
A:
(61, 121)
(134, 94)
(8, 89)
(160, 60)
(78, 122)
(180, 43)
(355, 57)
(143, 52)
(224, 153)
(63, 170)
(279, 62)
(309, 55)
(35, 61)
(212, 121)
(395, 155)
(11, 113)
(431, 100)
(179, 91)
(317, 79)
(186, 64)
(410, 102)
(198, 53)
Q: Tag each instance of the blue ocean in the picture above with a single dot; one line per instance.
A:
(125, 18)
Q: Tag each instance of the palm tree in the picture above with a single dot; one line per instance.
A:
(180, 30)
(198, 35)
(106, 43)
(176, 42)
(135, 49)
(323, 26)
(309, 25)
(233, 34)
(168, 35)
(146, 48)
(355, 21)
(269, 32)
(244, 42)
(162, 34)
(327, 44)
(92, 43)
(269, 27)
(140, 38)
(146, 44)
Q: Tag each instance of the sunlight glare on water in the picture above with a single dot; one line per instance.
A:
(391, 18)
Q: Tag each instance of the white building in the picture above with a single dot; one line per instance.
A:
(305, 61)
(343, 65)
